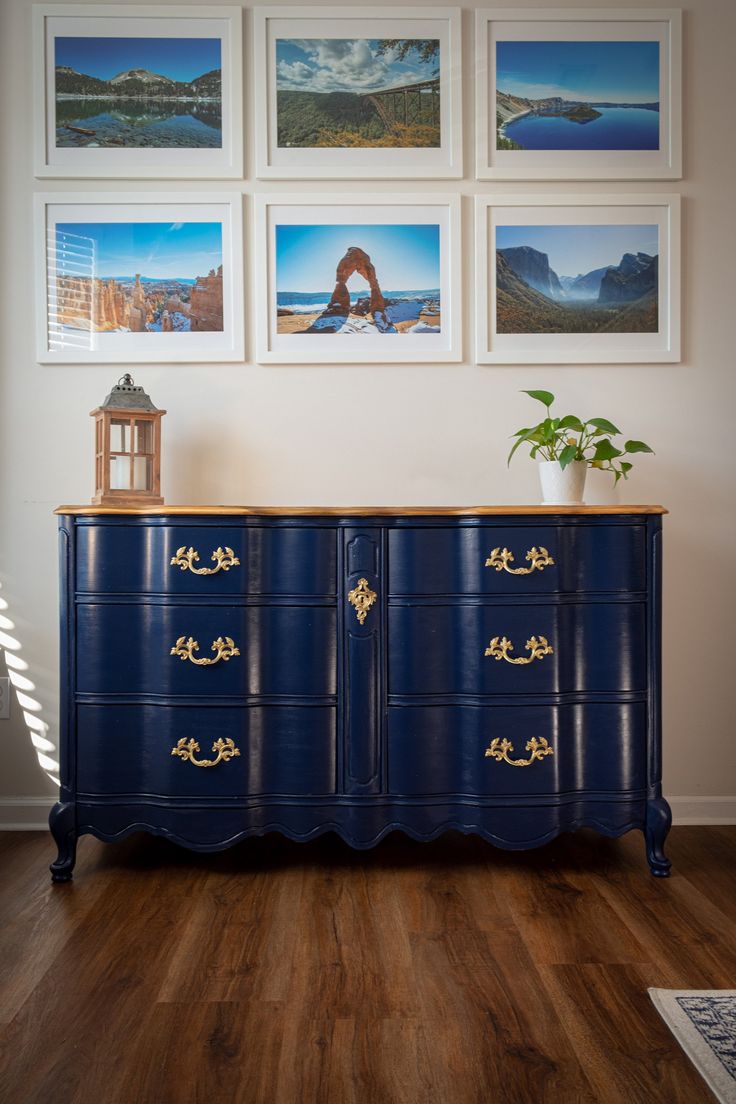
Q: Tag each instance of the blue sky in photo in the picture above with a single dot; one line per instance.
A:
(164, 250)
(345, 65)
(614, 72)
(573, 250)
(406, 258)
(180, 59)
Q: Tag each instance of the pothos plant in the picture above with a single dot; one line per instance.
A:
(570, 438)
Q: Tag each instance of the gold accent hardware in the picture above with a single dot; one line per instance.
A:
(362, 597)
(186, 749)
(539, 558)
(499, 750)
(224, 559)
(500, 647)
(185, 648)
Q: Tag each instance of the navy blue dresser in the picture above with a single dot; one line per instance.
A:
(228, 672)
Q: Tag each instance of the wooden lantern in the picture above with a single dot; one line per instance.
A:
(127, 448)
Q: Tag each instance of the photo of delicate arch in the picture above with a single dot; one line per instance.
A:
(578, 93)
(134, 91)
(343, 93)
(373, 279)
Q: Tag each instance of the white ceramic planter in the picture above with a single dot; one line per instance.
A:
(562, 487)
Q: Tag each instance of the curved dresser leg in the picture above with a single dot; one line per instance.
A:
(63, 825)
(659, 820)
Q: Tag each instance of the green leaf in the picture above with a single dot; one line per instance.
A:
(571, 421)
(605, 450)
(637, 446)
(603, 425)
(616, 476)
(567, 455)
(522, 432)
(545, 397)
(519, 441)
(625, 468)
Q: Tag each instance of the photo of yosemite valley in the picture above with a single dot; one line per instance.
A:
(138, 92)
(550, 279)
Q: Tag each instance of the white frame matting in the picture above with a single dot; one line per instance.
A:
(583, 210)
(333, 163)
(126, 347)
(604, 24)
(132, 162)
(374, 208)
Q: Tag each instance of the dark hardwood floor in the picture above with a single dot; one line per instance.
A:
(280, 973)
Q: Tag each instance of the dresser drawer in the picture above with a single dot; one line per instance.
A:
(125, 648)
(453, 561)
(440, 649)
(137, 559)
(442, 749)
(126, 749)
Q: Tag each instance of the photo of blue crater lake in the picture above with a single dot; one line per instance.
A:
(577, 96)
(161, 93)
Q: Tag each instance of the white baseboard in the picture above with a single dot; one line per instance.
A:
(703, 810)
(25, 814)
(30, 814)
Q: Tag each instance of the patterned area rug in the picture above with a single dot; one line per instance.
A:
(704, 1023)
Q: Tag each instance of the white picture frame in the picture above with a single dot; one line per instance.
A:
(285, 25)
(615, 26)
(392, 215)
(58, 27)
(614, 214)
(84, 312)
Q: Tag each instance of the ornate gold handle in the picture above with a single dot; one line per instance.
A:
(186, 558)
(500, 647)
(185, 648)
(539, 558)
(499, 749)
(362, 597)
(225, 749)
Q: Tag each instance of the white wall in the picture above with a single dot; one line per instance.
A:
(397, 435)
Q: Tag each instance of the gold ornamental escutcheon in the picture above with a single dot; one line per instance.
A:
(538, 558)
(186, 558)
(362, 598)
(186, 646)
(499, 750)
(500, 647)
(224, 749)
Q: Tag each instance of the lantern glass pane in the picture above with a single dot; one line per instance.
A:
(142, 473)
(119, 473)
(119, 435)
(143, 436)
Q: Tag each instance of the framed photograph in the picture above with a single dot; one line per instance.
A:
(578, 94)
(364, 92)
(373, 278)
(571, 279)
(139, 277)
(126, 91)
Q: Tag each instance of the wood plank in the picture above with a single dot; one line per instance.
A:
(281, 973)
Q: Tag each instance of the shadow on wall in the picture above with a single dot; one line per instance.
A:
(46, 750)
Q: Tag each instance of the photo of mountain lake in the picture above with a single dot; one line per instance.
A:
(577, 279)
(160, 93)
(397, 269)
(358, 93)
(577, 95)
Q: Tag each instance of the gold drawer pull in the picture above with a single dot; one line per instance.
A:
(499, 750)
(225, 749)
(185, 648)
(362, 597)
(186, 558)
(500, 647)
(539, 558)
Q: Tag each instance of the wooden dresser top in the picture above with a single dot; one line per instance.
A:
(357, 511)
